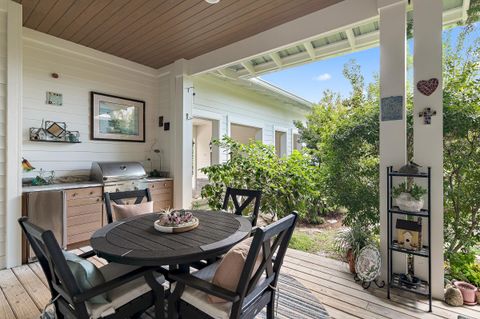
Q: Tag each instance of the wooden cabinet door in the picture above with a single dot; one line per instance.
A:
(84, 214)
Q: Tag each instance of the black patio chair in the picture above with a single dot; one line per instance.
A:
(239, 207)
(119, 197)
(124, 284)
(256, 288)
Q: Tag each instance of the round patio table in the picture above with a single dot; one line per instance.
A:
(135, 241)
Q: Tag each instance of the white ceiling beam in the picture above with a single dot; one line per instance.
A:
(228, 73)
(310, 49)
(351, 38)
(250, 68)
(277, 59)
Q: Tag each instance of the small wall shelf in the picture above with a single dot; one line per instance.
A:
(394, 280)
(54, 141)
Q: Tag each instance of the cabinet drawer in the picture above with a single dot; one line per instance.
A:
(162, 197)
(160, 187)
(87, 227)
(84, 201)
(80, 210)
(73, 239)
(88, 192)
(73, 222)
(160, 205)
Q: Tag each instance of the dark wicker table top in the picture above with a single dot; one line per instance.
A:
(135, 241)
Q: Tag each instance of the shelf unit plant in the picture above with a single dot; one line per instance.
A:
(422, 287)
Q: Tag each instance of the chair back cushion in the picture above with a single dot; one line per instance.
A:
(126, 211)
(87, 275)
(231, 266)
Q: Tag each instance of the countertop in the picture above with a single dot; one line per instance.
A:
(85, 184)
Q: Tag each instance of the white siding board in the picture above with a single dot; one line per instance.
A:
(3, 95)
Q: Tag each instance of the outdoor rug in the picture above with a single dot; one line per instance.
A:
(296, 302)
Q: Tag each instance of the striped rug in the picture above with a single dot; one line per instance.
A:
(296, 302)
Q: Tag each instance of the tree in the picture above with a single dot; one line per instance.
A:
(342, 136)
(461, 105)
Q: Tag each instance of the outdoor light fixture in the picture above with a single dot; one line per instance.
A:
(212, 1)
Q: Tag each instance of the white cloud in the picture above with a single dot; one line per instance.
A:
(323, 77)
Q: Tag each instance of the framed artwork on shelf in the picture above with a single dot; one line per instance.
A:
(115, 118)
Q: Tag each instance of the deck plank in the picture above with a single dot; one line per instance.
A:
(37, 269)
(6, 311)
(22, 305)
(39, 293)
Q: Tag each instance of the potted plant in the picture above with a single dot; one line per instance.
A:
(468, 292)
(349, 242)
(409, 196)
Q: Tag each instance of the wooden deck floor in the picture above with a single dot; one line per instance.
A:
(24, 292)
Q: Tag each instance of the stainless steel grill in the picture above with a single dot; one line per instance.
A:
(119, 176)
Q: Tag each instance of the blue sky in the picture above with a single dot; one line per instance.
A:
(310, 80)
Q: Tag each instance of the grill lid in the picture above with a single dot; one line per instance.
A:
(117, 171)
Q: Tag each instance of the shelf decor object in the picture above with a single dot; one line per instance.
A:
(115, 118)
(55, 132)
(409, 229)
(367, 266)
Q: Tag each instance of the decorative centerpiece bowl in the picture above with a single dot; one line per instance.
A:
(176, 221)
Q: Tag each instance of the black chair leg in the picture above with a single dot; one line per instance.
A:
(271, 307)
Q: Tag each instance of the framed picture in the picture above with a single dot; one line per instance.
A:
(116, 118)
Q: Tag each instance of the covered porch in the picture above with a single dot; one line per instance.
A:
(33, 45)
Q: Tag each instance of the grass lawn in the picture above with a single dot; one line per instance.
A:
(318, 242)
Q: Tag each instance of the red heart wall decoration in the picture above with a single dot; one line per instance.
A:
(427, 87)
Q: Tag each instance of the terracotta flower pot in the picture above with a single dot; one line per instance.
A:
(468, 292)
(351, 260)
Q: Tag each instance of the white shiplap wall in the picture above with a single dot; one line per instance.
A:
(80, 73)
(3, 95)
(234, 104)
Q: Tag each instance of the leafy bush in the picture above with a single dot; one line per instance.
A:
(462, 266)
(287, 183)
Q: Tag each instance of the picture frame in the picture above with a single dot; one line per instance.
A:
(116, 118)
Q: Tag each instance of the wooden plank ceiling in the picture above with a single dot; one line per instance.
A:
(158, 32)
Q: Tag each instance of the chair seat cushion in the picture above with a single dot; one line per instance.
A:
(120, 295)
(199, 299)
(126, 211)
(86, 275)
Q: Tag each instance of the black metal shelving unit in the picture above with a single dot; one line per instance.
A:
(424, 288)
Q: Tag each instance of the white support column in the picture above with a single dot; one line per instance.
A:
(428, 139)
(182, 128)
(393, 139)
(13, 132)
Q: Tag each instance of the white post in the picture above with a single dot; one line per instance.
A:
(428, 138)
(13, 132)
(182, 128)
(393, 139)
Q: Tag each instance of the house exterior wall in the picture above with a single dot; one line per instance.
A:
(79, 74)
(231, 104)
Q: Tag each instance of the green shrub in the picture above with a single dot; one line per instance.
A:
(288, 184)
(463, 266)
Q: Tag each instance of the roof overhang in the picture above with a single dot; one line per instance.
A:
(359, 36)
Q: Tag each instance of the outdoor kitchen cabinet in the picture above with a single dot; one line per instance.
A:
(162, 194)
(84, 213)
